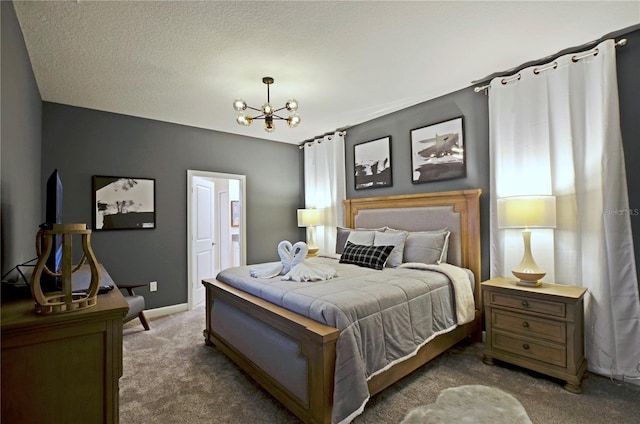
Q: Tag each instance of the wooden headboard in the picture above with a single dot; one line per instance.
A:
(459, 211)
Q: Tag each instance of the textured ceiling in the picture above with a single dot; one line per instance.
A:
(345, 62)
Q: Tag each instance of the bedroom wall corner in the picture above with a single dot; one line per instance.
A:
(21, 211)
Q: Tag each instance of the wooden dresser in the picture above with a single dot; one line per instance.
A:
(539, 328)
(62, 368)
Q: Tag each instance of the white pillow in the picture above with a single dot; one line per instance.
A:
(445, 249)
(392, 238)
(342, 234)
(361, 237)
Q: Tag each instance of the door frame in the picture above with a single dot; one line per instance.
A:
(242, 231)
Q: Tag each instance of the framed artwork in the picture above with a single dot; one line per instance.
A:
(235, 213)
(123, 203)
(372, 163)
(437, 152)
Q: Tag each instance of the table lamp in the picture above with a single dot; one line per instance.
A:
(527, 212)
(310, 218)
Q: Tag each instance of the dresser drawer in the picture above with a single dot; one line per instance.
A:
(526, 325)
(539, 350)
(546, 307)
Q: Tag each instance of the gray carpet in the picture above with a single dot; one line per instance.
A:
(171, 376)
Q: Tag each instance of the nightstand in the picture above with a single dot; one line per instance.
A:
(539, 328)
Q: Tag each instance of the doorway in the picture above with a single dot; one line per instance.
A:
(215, 227)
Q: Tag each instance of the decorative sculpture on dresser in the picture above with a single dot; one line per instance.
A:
(65, 300)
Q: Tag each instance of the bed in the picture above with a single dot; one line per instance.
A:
(253, 331)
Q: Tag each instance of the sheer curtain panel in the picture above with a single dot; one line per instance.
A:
(555, 129)
(325, 187)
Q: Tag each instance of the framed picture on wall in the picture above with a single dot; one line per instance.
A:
(372, 163)
(123, 203)
(437, 152)
(235, 213)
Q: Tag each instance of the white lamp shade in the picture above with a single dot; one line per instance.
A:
(527, 212)
(309, 217)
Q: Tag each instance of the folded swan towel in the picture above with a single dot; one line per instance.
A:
(290, 256)
(309, 271)
(292, 265)
(266, 270)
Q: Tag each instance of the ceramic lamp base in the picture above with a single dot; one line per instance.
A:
(528, 272)
(528, 280)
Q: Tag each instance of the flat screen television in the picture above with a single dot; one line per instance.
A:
(53, 215)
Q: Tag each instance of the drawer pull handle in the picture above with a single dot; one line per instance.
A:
(525, 303)
(525, 346)
(525, 324)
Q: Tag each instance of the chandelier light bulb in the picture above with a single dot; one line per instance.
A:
(293, 120)
(243, 119)
(292, 105)
(267, 109)
(269, 126)
(239, 105)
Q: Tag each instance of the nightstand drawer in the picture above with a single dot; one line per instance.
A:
(527, 325)
(539, 350)
(545, 307)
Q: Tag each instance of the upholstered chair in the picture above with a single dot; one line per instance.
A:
(136, 303)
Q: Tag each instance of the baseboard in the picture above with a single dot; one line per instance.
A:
(166, 310)
(631, 380)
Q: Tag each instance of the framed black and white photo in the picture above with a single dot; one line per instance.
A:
(372, 163)
(123, 203)
(437, 152)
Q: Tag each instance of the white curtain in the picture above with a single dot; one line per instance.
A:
(555, 129)
(325, 187)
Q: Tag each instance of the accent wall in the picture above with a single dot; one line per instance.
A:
(84, 142)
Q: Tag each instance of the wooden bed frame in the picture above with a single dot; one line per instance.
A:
(316, 342)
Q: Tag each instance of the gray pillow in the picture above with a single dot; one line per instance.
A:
(394, 238)
(341, 238)
(342, 234)
(429, 247)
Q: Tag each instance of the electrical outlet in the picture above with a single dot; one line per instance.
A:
(153, 286)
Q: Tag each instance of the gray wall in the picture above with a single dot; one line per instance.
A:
(84, 142)
(474, 107)
(20, 142)
(628, 63)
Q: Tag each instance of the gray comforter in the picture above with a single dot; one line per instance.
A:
(384, 317)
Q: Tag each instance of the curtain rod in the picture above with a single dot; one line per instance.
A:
(342, 131)
(513, 71)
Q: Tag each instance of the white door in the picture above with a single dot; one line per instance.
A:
(203, 237)
(199, 185)
(225, 237)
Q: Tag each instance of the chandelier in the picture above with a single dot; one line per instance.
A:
(268, 112)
